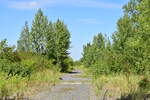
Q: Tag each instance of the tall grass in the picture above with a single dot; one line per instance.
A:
(11, 86)
(42, 80)
(27, 75)
(121, 86)
(18, 85)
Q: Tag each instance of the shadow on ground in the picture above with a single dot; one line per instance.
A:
(74, 72)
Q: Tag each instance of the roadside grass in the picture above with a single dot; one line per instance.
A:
(118, 86)
(25, 74)
(47, 75)
(13, 86)
(17, 86)
(41, 81)
(86, 72)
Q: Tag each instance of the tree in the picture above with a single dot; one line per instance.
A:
(46, 38)
(62, 43)
(7, 52)
(87, 55)
(132, 36)
(92, 51)
(129, 50)
(50, 42)
(3, 45)
(38, 32)
(24, 43)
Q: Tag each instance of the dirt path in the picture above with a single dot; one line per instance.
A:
(71, 87)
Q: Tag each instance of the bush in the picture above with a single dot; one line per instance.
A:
(18, 69)
(67, 65)
(29, 63)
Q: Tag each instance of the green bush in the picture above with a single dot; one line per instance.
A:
(29, 63)
(16, 68)
(67, 65)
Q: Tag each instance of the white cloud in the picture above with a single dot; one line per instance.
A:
(30, 4)
(24, 4)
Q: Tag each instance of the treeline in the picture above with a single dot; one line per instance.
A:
(41, 53)
(46, 38)
(49, 40)
(120, 65)
(128, 49)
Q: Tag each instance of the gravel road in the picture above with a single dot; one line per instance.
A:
(71, 87)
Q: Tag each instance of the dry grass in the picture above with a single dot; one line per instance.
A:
(42, 81)
(116, 85)
(38, 81)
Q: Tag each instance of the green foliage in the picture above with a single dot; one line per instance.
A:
(127, 54)
(46, 38)
(50, 41)
(38, 32)
(7, 52)
(91, 52)
(21, 63)
(62, 44)
(68, 64)
(41, 54)
(17, 69)
(24, 43)
(135, 45)
(144, 85)
(129, 50)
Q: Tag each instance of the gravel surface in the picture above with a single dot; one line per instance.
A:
(71, 87)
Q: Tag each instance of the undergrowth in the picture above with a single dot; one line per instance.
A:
(25, 74)
(133, 87)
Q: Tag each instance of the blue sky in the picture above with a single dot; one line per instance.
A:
(84, 18)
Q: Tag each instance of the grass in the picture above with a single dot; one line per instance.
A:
(17, 85)
(115, 86)
(120, 86)
(86, 72)
(11, 86)
(41, 81)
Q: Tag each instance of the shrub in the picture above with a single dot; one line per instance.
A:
(67, 65)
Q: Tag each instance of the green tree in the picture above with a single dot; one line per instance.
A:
(92, 51)
(87, 55)
(3, 45)
(142, 20)
(131, 40)
(24, 43)
(62, 43)
(50, 42)
(38, 32)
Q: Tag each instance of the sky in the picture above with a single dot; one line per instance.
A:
(84, 18)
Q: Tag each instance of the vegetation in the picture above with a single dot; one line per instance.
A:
(127, 53)
(18, 70)
(41, 54)
(46, 38)
(119, 65)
